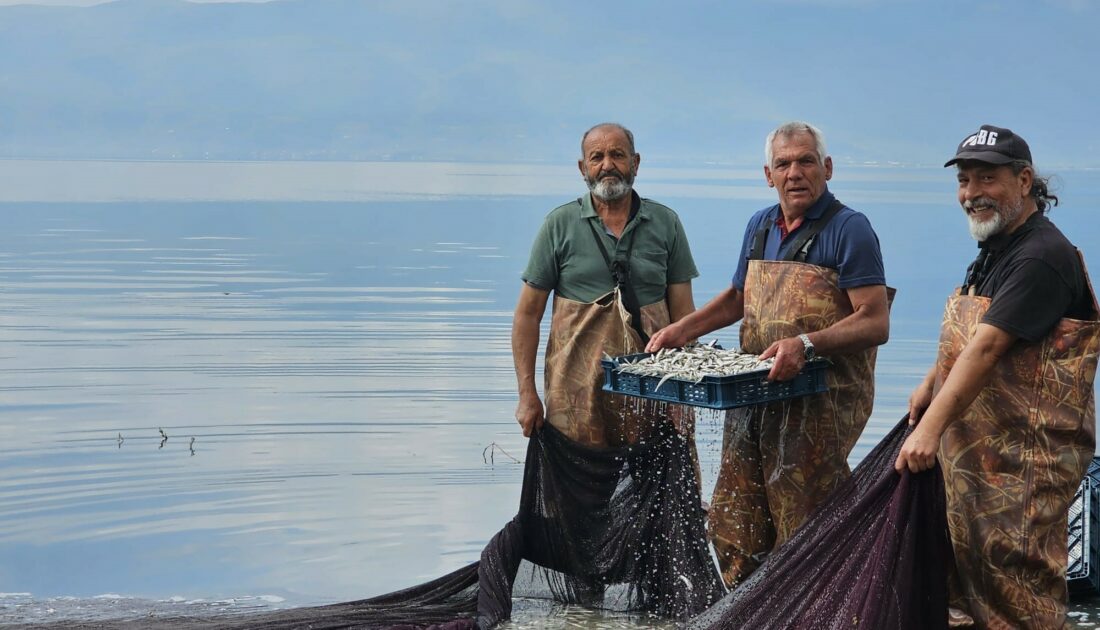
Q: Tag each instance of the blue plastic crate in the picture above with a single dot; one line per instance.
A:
(714, 392)
(1083, 566)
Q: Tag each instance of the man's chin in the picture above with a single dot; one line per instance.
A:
(982, 231)
(607, 193)
(798, 203)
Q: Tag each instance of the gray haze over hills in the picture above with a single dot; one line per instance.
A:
(511, 80)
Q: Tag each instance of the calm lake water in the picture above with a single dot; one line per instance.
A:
(239, 386)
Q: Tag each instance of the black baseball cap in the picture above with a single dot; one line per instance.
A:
(994, 145)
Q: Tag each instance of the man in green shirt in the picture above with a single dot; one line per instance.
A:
(620, 268)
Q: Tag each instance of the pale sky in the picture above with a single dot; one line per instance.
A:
(88, 3)
(889, 81)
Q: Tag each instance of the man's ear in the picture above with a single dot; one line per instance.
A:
(1026, 177)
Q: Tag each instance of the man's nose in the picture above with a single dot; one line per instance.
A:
(970, 190)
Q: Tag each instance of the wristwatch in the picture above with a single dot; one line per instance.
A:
(808, 347)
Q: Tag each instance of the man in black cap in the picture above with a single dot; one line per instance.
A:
(1009, 404)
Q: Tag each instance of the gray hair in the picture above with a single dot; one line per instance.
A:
(1041, 188)
(790, 129)
(612, 125)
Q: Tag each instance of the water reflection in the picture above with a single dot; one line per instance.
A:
(327, 376)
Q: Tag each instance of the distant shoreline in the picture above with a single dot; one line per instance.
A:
(107, 181)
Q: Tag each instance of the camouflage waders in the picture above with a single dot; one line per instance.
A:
(576, 405)
(781, 459)
(1011, 465)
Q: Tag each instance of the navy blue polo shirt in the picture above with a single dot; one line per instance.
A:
(847, 244)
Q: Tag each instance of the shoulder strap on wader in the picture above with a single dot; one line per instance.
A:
(799, 248)
(620, 275)
(758, 241)
(977, 270)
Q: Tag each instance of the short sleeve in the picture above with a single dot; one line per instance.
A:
(858, 256)
(1031, 301)
(681, 264)
(742, 269)
(542, 266)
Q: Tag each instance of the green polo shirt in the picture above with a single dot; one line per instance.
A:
(566, 259)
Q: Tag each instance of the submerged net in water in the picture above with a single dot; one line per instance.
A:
(874, 556)
(622, 529)
(619, 529)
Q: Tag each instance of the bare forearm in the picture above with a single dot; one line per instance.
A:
(866, 327)
(525, 347)
(525, 336)
(852, 334)
(724, 309)
(971, 372)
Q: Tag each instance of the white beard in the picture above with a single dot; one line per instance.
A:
(611, 188)
(1002, 217)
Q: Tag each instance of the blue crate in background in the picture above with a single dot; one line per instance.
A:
(714, 392)
(1083, 568)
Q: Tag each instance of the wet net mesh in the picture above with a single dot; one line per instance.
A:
(874, 556)
(619, 529)
(622, 529)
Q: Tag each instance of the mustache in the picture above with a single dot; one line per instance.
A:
(613, 172)
(979, 203)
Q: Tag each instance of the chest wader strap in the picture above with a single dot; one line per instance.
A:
(620, 275)
(799, 248)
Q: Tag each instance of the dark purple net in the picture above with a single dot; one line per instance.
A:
(622, 529)
(874, 556)
(618, 529)
(614, 528)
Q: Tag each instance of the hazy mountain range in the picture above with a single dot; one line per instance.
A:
(514, 80)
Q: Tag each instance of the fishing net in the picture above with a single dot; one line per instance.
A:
(619, 529)
(874, 556)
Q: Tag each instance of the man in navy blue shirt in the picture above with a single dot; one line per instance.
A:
(809, 282)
